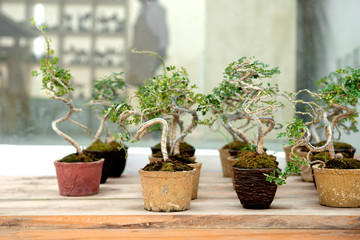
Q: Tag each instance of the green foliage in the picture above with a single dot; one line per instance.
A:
(342, 88)
(295, 131)
(156, 95)
(108, 87)
(55, 80)
(250, 147)
(279, 177)
(243, 79)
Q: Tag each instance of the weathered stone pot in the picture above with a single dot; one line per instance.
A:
(252, 189)
(338, 187)
(306, 171)
(225, 164)
(78, 178)
(196, 179)
(166, 191)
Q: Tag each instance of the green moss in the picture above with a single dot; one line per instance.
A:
(168, 166)
(183, 146)
(99, 146)
(75, 157)
(183, 157)
(115, 145)
(343, 163)
(253, 160)
(235, 145)
(337, 145)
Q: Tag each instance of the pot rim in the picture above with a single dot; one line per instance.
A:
(80, 163)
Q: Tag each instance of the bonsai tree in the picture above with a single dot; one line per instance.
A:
(340, 91)
(243, 94)
(340, 95)
(57, 84)
(106, 93)
(299, 134)
(168, 96)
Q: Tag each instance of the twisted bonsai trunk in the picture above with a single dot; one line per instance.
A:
(143, 130)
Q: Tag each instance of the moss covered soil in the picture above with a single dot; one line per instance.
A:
(252, 160)
(337, 145)
(75, 157)
(235, 145)
(339, 163)
(167, 166)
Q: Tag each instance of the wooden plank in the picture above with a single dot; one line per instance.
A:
(34, 202)
(200, 234)
(167, 221)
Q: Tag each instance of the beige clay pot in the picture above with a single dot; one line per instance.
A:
(196, 179)
(306, 172)
(338, 187)
(166, 191)
(225, 164)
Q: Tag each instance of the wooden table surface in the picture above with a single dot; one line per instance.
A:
(31, 208)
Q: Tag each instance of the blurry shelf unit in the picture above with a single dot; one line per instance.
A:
(86, 34)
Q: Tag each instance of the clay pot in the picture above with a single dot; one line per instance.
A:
(166, 191)
(306, 171)
(338, 187)
(252, 189)
(79, 178)
(196, 179)
(225, 164)
(114, 162)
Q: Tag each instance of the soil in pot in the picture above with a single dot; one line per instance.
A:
(250, 184)
(345, 149)
(77, 178)
(184, 148)
(167, 186)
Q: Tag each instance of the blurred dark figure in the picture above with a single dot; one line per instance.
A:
(150, 34)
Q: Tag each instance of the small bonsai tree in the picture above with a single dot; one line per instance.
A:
(106, 94)
(340, 92)
(168, 96)
(57, 84)
(299, 134)
(243, 94)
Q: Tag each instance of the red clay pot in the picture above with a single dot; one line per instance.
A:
(79, 178)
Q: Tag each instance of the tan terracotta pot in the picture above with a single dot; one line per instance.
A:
(78, 178)
(166, 191)
(225, 164)
(231, 161)
(306, 172)
(338, 187)
(196, 179)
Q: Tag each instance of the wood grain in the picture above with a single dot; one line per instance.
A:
(183, 234)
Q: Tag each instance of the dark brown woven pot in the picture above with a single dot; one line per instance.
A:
(252, 189)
